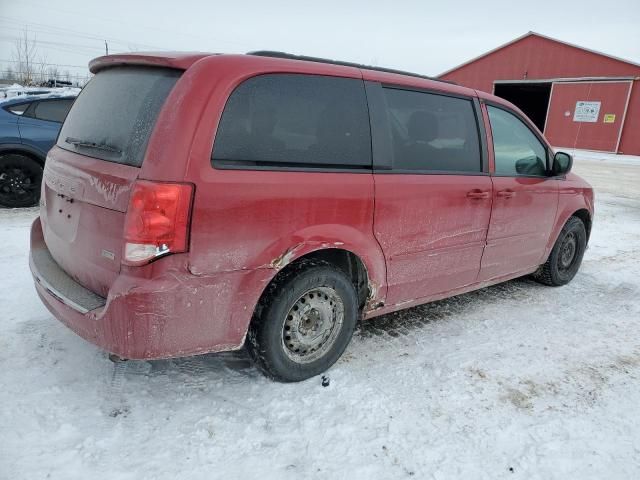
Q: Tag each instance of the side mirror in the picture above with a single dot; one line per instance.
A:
(562, 163)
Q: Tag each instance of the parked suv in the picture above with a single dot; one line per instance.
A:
(29, 126)
(197, 203)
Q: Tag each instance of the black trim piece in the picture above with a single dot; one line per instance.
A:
(288, 166)
(506, 175)
(482, 133)
(289, 56)
(433, 172)
(381, 141)
(432, 91)
(30, 111)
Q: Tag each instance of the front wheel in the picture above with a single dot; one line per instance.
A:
(304, 322)
(20, 178)
(565, 258)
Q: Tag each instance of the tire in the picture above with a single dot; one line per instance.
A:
(20, 179)
(296, 332)
(566, 256)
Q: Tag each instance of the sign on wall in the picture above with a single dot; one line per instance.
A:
(586, 111)
(609, 118)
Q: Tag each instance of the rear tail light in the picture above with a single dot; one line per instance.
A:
(157, 221)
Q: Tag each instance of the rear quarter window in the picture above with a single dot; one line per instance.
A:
(295, 121)
(114, 115)
(17, 109)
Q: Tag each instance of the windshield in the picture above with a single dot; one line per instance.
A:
(114, 115)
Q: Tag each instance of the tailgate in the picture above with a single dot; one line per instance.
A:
(90, 172)
(82, 210)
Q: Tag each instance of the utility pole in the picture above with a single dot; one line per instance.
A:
(106, 48)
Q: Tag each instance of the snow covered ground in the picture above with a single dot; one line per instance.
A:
(16, 90)
(601, 157)
(513, 381)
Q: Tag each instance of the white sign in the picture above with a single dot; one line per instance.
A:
(586, 112)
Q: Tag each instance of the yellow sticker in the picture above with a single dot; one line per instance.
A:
(609, 117)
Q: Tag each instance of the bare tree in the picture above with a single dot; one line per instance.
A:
(24, 54)
(9, 75)
(42, 68)
(67, 75)
(52, 72)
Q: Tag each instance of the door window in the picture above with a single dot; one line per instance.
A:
(53, 110)
(432, 132)
(517, 150)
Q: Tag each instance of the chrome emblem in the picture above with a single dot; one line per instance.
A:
(108, 254)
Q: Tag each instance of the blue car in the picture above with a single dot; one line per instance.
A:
(29, 126)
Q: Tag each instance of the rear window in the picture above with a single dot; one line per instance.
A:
(294, 121)
(115, 113)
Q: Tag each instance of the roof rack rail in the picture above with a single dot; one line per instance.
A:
(289, 56)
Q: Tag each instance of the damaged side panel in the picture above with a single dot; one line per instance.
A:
(283, 260)
(267, 224)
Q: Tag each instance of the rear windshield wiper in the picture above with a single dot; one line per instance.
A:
(86, 144)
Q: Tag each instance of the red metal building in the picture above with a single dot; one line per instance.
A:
(578, 97)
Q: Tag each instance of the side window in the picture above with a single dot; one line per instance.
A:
(18, 109)
(432, 132)
(517, 150)
(290, 120)
(53, 110)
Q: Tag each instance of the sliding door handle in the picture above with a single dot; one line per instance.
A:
(478, 194)
(508, 193)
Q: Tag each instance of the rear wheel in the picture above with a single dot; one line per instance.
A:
(20, 178)
(304, 322)
(565, 258)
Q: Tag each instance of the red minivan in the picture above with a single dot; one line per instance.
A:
(198, 203)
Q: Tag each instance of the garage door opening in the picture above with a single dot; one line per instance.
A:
(531, 98)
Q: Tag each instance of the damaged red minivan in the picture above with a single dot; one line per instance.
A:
(198, 203)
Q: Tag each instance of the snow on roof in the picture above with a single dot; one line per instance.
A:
(16, 91)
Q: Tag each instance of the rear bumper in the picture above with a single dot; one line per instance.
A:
(55, 281)
(161, 312)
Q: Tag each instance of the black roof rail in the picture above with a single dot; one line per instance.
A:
(289, 56)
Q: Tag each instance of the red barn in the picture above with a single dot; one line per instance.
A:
(579, 98)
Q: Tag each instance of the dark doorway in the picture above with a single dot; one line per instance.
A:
(531, 98)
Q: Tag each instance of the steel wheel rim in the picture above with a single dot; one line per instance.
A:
(312, 325)
(568, 251)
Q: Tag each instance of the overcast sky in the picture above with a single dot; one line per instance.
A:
(422, 36)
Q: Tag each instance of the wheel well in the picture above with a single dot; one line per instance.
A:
(26, 153)
(585, 217)
(346, 261)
